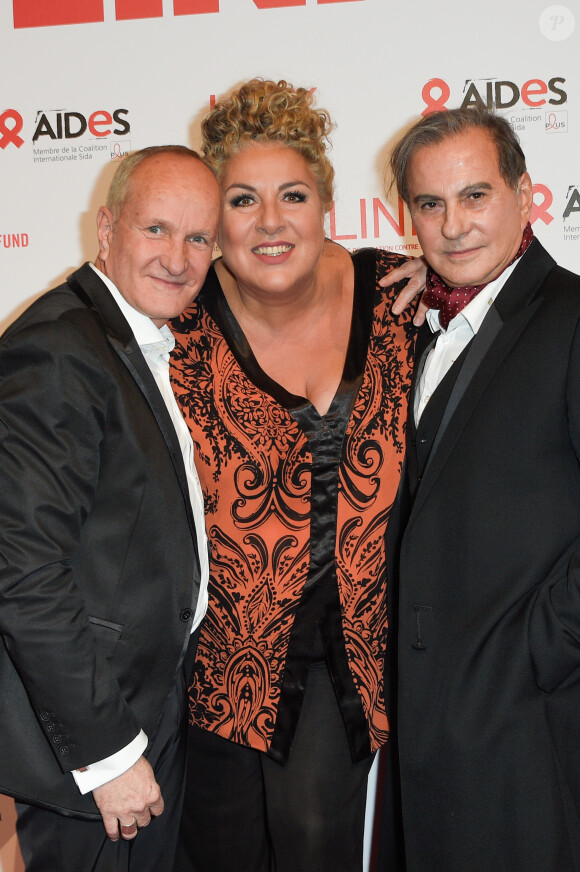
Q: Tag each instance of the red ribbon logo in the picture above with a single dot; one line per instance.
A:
(435, 104)
(10, 134)
(540, 210)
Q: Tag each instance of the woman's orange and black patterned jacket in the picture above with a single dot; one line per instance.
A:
(296, 512)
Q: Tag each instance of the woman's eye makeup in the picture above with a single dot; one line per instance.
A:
(295, 196)
(242, 200)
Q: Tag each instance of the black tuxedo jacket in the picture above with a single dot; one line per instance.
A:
(99, 571)
(489, 597)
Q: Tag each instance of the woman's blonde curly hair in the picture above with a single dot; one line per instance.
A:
(267, 111)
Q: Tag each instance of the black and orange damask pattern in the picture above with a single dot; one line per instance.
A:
(274, 474)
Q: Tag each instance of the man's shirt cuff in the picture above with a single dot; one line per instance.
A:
(111, 767)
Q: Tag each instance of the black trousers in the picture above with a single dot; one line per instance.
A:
(52, 842)
(245, 813)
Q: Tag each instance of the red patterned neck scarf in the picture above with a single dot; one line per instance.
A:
(450, 301)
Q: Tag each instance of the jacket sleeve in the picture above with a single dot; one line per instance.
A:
(53, 415)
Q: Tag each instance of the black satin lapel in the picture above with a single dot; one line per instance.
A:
(525, 282)
(93, 292)
(363, 313)
(514, 297)
(514, 306)
(479, 347)
(496, 339)
(217, 307)
(133, 359)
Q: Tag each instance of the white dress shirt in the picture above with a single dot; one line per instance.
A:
(451, 342)
(156, 345)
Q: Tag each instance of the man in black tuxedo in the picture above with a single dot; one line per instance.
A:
(488, 531)
(103, 556)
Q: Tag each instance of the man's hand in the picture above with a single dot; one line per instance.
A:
(416, 271)
(129, 801)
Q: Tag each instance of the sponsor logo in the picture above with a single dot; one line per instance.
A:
(65, 153)
(71, 125)
(572, 201)
(571, 214)
(62, 12)
(499, 94)
(54, 130)
(374, 218)
(10, 126)
(556, 122)
(543, 199)
(14, 240)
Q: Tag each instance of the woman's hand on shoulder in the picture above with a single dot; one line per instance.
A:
(415, 271)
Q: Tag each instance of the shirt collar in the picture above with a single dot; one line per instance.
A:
(146, 333)
(476, 310)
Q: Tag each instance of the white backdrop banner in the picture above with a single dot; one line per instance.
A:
(85, 81)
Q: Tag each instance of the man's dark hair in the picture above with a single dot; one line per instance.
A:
(438, 126)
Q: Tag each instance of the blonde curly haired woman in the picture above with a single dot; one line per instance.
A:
(292, 372)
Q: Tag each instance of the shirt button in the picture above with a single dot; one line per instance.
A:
(185, 615)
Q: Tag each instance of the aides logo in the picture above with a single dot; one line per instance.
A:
(55, 132)
(503, 95)
(56, 128)
(496, 94)
(71, 125)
